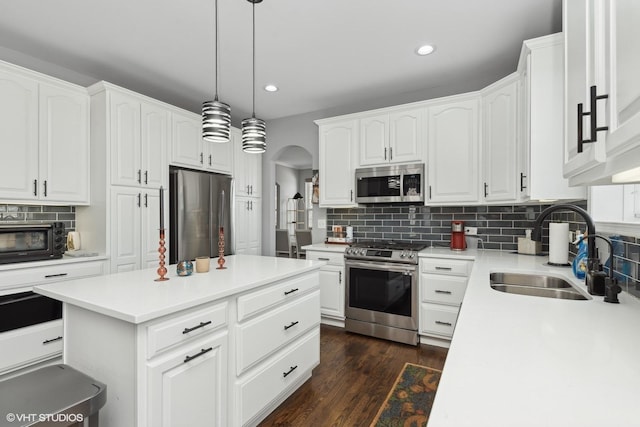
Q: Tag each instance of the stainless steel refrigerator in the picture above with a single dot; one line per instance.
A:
(196, 205)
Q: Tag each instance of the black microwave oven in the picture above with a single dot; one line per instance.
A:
(31, 242)
(390, 184)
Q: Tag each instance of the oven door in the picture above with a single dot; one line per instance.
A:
(382, 292)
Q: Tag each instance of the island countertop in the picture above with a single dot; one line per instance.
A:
(136, 298)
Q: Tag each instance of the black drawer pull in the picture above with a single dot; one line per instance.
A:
(443, 323)
(201, 325)
(291, 325)
(203, 351)
(444, 268)
(438, 291)
(324, 259)
(49, 276)
(293, 368)
(291, 291)
(51, 340)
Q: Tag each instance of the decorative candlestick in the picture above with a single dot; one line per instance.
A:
(162, 270)
(221, 259)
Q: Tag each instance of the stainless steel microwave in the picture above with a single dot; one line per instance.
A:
(31, 242)
(390, 184)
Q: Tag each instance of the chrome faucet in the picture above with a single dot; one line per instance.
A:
(593, 261)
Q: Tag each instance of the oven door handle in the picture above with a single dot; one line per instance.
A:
(383, 266)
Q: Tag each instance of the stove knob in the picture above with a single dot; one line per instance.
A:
(402, 254)
(412, 255)
(363, 251)
(348, 251)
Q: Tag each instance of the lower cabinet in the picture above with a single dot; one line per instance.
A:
(332, 286)
(443, 283)
(248, 226)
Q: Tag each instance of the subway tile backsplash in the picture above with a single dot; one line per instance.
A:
(498, 226)
(24, 213)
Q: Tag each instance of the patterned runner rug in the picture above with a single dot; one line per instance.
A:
(409, 402)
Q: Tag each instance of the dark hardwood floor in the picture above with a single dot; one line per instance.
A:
(352, 381)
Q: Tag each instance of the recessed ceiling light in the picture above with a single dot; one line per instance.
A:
(425, 50)
(271, 88)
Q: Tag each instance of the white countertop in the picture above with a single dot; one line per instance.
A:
(135, 297)
(50, 262)
(518, 360)
(326, 247)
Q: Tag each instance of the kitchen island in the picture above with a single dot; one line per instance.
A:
(221, 348)
(519, 360)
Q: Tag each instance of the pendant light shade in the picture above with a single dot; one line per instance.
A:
(216, 115)
(254, 131)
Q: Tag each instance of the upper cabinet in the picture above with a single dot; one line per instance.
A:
(247, 168)
(336, 168)
(453, 149)
(541, 130)
(392, 137)
(44, 125)
(602, 98)
(499, 111)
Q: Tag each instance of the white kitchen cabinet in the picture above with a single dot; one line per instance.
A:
(453, 150)
(134, 228)
(499, 105)
(139, 137)
(43, 124)
(443, 283)
(248, 226)
(189, 385)
(332, 286)
(337, 140)
(187, 144)
(392, 137)
(540, 147)
(247, 171)
(218, 157)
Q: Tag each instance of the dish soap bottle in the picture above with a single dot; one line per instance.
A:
(580, 261)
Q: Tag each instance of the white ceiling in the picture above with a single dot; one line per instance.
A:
(321, 53)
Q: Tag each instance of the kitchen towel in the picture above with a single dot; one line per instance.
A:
(559, 243)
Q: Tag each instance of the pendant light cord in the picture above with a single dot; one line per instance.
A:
(217, 50)
(253, 113)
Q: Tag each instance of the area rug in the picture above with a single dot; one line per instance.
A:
(409, 402)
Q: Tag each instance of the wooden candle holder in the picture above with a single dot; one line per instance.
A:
(162, 270)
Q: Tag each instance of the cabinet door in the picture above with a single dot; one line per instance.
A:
(154, 142)
(241, 228)
(125, 140)
(219, 156)
(188, 387)
(374, 140)
(624, 68)
(406, 135)
(186, 141)
(581, 39)
(255, 226)
(64, 145)
(149, 228)
(125, 229)
(336, 164)
(453, 152)
(240, 167)
(499, 109)
(19, 137)
(332, 291)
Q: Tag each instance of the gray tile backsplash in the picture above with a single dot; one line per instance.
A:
(23, 213)
(498, 226)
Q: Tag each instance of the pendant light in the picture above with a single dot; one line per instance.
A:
(254, 130)
(216, 115)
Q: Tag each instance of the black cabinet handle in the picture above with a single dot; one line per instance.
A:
(293, 368)
(201, 325)
(49, 276)
(351, 197)
(443, 323)
(594, 114)
(486, 188)
(390, 153)
(443, 268)
(324, 259)
(201, 158)
(429, 192)
(291, 291)
(438, 291)
(339, 277)
(290, 325)
(385, 153)
(139, 176)
(35, 187)
(522, 177)
(210, 160)
(51, 340)
(146, 200)
(138, 199)
(45, 188)
(146, 177)
(203, 351)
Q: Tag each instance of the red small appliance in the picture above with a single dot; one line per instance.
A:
(458, 242)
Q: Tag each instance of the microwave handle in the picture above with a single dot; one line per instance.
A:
(402, 187)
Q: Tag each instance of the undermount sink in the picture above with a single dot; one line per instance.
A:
(538, 285)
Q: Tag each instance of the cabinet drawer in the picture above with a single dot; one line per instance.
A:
(443, 289)
(258, 301)
(49, 274)
(265, 334)
(445, 266)
(26, 345)
(438, 319)
(333, 258)
(258, 390)
(168, 333)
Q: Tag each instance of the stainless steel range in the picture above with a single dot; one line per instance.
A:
(382, 289)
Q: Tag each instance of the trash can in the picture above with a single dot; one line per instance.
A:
(52, 396)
